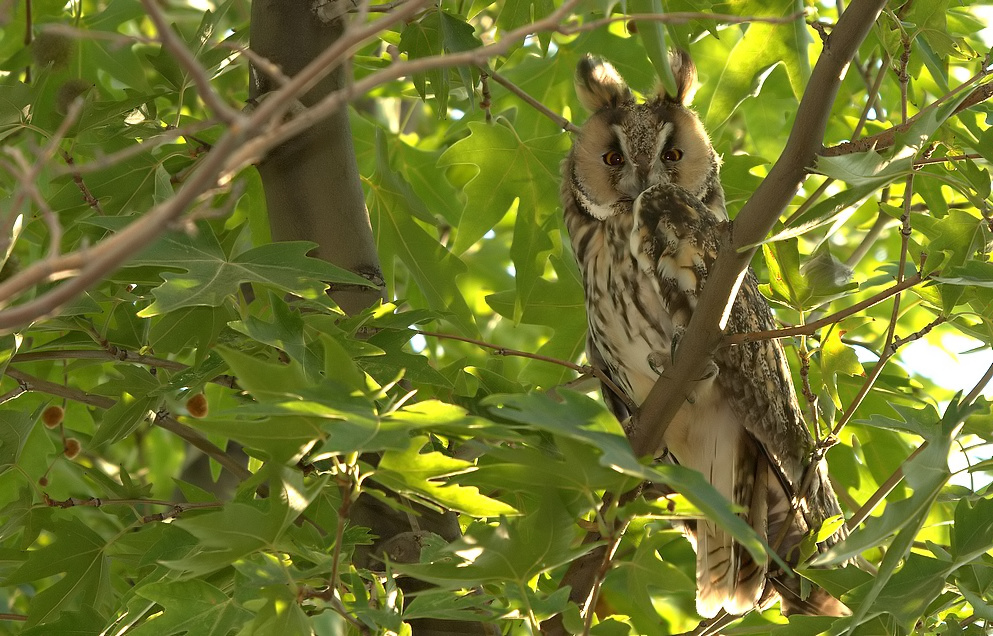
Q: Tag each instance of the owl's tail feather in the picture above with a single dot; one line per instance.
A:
(727, 576)
(715, 568)
(817, 603)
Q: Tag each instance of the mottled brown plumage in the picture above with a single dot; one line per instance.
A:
(644, 209)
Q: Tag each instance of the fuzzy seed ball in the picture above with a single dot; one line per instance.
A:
(52, 416)
(69, 91)
(52, 48)
(72, 448)
(197, 405)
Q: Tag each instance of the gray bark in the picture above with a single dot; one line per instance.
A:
(311, 182)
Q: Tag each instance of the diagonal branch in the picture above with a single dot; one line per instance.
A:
(887, 138)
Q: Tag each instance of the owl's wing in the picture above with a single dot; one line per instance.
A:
(676, 237)
(617, 404)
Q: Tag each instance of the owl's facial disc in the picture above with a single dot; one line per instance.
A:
(645, 145)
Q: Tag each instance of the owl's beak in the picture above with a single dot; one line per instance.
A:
(645, 174)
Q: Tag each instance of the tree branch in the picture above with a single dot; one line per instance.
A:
(887, 138)
(559, 120)
(891, 482)
(812, 327)
(177, 48)
(193, 437)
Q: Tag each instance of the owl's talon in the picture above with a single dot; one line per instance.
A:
(710, 371)
(658, 362)
(677, 335)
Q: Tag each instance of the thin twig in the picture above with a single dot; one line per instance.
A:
(504, 351)
(193, 437)
(559, 120)
(870, 238)
(97, 502)
(179, 51)
(117, 354)
(871, 97)
(809, 201)
(77, 178)
(678, 17)
(601, 575)
(811, 328)
(948, 158)
(896, 477)
(17, 391)
(887, 138)
(264, 64)
(30, 176)
(920, 333)
(147, 145)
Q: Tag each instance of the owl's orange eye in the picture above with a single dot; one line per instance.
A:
(673, 154)
(613, 158)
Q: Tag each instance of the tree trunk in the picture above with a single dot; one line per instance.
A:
(313, 192)
(311, 182)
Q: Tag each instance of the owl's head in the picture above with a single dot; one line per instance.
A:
(625, 146)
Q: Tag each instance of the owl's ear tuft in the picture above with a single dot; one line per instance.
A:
(599, 85)
(684, 70)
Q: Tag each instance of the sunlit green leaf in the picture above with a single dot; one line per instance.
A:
(210, 276)
(191, 607)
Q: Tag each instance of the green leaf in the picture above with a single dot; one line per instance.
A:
(190, 607)
(517, 13)
(194, 326)
(926, 474)
(867, 169)
(432, 266)
(912, 420)
(953, 241)
(760, 48)
(512, 552)
(653, 36)
(235, 531)
(973, 273)
(14, 429)
(139, 395)
(837, 357)
(413, 472)
(786, 283)
(77, 553)
(436, 33)
(582, 419)
(972, 531)
(511, 170)
(285, 332)
(211, 277)
(83, 622)
(9, 344)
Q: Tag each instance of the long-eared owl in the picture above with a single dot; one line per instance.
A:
(645, 212)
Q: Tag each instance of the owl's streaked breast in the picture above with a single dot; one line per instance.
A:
(627, 316)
